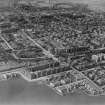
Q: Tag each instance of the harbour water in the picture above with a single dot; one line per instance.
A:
(20, 92)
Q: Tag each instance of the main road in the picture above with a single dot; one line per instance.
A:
(47, 53)
(75, 70)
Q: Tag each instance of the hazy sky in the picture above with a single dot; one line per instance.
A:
(93, 3)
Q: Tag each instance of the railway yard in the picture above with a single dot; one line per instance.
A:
(62, 47)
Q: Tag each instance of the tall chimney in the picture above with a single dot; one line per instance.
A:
(13, 3)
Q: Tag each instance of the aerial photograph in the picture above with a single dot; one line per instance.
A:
(52, 52)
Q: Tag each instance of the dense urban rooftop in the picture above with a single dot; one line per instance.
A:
(63, 46)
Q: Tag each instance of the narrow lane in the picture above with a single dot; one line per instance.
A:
(9, 46)
(6, 42)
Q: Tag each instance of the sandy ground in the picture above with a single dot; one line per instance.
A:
(20, 92)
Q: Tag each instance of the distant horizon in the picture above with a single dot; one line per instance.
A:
(93, 4)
